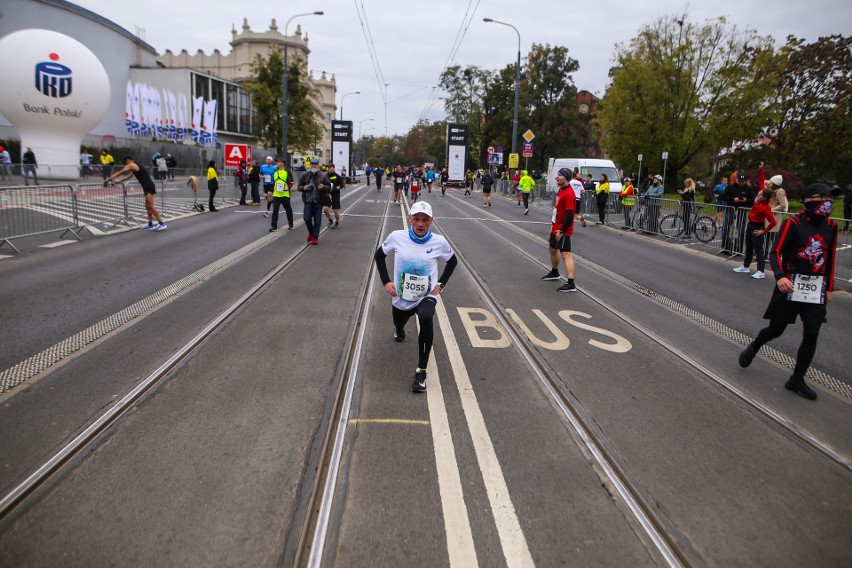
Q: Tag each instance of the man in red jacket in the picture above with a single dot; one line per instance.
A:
(561, 227)
(803, 263)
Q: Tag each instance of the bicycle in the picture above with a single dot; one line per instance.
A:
(703, 226)
(640, 216)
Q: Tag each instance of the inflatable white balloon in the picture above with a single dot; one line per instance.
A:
(55, 90)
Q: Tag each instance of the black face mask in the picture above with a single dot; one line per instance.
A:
(818, 208)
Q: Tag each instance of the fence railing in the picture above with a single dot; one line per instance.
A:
(28, 174)
(27, 211)
(717, 227)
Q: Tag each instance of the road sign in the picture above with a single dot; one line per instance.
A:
(528, 150)
(528, 136)
(490, 150)
(513, 161)
(495, 159)
(665, 155)
(640, 157)
(236, 152)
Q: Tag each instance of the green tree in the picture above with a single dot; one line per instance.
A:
(265, 86)
(465, 88)
(684, 89)
(813, 103)
(498, 108)
(549, 101)
(425, 143)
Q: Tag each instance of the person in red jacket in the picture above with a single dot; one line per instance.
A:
(803, 263)
(561, 227)
(760, 220)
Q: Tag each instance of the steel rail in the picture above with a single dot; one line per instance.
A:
(644, 513)
(43, 473)
(313, 535)
(797, 433)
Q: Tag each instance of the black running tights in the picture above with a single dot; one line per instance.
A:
(807, 349)
(425, 311)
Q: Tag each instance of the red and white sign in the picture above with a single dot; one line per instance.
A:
(236, 152)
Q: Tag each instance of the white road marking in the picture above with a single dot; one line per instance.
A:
(5, 256)
(512, 539)
(57, 244)
(460, 547)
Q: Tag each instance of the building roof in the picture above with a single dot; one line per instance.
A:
(99, 19)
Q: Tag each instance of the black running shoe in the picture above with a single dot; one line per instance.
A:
(799, 387)
(552, 275)
(569, 287)
(419, 384)
(398, 336)
(747, 356)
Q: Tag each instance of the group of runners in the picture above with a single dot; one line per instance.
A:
(802, 259)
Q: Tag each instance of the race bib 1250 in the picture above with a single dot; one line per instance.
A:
(806, 289)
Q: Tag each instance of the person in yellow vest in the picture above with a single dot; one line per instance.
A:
(526, 183)
(212, 184)
(106, 163)
(601, 197)
(628, 200)
(281, 184)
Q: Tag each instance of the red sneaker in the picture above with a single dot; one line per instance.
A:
(314, 241)
(308, 240)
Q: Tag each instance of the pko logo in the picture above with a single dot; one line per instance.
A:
(53, 79)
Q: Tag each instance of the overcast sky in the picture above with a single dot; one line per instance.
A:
(413, 38)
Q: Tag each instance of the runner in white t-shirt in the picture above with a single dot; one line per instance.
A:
(416, 285)
(576, 184)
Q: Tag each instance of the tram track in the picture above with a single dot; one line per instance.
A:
(85, 440)
(789, 427)
(310, 543)
(658, 530)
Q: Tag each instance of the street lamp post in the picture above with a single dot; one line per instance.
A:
(343, 97)
(284, 95)
(361, 144)
(517, 86)
(361, 123)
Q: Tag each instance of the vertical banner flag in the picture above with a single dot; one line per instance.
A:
(456, 150)
(341, 143)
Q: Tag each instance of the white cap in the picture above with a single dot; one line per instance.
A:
(776, 180)
(421, 207)
(269, 158)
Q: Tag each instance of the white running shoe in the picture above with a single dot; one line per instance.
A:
(758, 275)
(742, 269)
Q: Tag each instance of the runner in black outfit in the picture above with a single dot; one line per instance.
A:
(132, 169)
(803, 262)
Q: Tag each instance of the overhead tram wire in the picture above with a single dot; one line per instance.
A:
(374, 58)
(451, 56)
(463, 27)
(370, 34)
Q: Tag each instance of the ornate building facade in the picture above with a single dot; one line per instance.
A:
(236, 66)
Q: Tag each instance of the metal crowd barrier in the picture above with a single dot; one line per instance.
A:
(717, 227)
(27, 211)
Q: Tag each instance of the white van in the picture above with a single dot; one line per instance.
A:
(586, 166)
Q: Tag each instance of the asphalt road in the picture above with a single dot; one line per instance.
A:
(213, 468)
